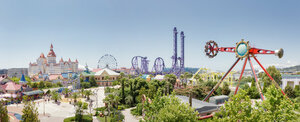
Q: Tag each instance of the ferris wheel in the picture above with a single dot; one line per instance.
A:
(107, 61)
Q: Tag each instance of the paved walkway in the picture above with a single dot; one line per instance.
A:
(129, 117)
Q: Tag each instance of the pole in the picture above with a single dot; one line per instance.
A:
(243, 69)
(44, 105)
(273, 81)
(217, 85)
(256, 81)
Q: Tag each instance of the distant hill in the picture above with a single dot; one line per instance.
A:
(187, 69)
(291, 69)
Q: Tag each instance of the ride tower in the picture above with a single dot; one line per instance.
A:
(176, 68)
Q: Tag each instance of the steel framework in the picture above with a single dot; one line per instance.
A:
(242, 50)
(159, 66)
(177, 69)
(140, 64)
(107, 61)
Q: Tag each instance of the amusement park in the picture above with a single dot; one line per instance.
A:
(128, 62)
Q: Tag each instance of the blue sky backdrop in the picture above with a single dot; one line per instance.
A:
(87, 29)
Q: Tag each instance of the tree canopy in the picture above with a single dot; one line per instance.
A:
(274, 108)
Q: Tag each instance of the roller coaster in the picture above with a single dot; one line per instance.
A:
(140, 63)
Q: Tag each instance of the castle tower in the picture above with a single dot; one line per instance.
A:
(51, 56)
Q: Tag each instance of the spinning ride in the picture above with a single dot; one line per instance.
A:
(243, 51)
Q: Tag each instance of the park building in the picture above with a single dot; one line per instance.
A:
(48, 65)
(291, 80)
(103, 77)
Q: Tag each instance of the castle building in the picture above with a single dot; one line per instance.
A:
(48, 65)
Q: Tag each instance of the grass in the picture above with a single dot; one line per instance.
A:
(102, 119)
(86, 118)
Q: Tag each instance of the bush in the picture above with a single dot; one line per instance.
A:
(138, 111)
(117, 116)
(85, 85)
(48, 84)
(41, 84)
(289, 91)
(100, 109)
(121, 107)
(86, 118)
(59, 84)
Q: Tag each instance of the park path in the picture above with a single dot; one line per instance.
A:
(128, 116)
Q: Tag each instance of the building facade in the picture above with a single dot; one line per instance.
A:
(291, 80)
(104, 77)
(48, 65)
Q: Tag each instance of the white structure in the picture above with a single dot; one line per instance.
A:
(49, 66)
(291, 80)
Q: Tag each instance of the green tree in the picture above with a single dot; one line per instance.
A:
(30, 112)
(79, 112)
(225, 89)
(55, 96)
(66, 92)
(34, 85)
(75, 96)
(278, 108)
(289, 91)
(59, 84)
(169, 109)
(252, 91)
(3, 112)
(41, 84)
(237, 109)
(274, 108)
(85, 85)
(171, 78)
(82, 92)
(93, 81)
(88, 93)
(275, 74)
(123, 90)
(129, 100)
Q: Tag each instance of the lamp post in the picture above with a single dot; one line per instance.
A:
(105, 114)
(44, 104)
(96, 93)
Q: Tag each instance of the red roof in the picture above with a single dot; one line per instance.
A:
(51, 53)
(69, 60)
(42, 55)
(61, 60)
(76, 61)
(12, 86)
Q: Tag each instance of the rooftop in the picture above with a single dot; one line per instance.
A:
(200, 106)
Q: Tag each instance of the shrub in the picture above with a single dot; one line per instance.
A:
(85, 118)
(100, 109)
(59, 84)
(85, 85)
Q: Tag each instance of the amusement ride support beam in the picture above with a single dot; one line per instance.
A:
(255, 78)
(273, 81)
(217, 85)
(243, 69)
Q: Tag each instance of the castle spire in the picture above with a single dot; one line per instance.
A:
(51, 52)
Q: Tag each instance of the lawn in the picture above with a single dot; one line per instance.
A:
(102, 119)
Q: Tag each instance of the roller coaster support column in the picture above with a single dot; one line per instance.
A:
(217, 85)
(256, 81)
(243, 69)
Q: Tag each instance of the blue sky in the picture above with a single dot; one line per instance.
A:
(88, 29)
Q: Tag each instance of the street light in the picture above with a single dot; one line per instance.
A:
(105, 114)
